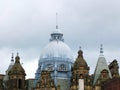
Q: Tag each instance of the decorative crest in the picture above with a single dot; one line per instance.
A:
(17, 54)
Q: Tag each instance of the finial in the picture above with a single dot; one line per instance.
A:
(17, 58)
(17, 54)
(101, 49)
(12, 57)
(56, 21)
(80, 52)
(80, 47)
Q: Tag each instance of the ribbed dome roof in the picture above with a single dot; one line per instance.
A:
(56, 48)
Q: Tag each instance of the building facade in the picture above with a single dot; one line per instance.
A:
(58, 71)
(80, 80)
(112, 84)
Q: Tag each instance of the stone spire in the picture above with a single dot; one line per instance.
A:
(101, 65)
(11, 64)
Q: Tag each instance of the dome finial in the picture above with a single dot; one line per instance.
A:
(12, 58)
(56, 21)
(80, 52)
(101, 49)
(17, 58)
(80, 47)
(17, 54)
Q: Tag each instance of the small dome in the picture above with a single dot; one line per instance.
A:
(80, 61)
(17, 68)
(56, 49)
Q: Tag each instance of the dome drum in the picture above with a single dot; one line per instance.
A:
(59, 66)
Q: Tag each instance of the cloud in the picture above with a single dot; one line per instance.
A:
(25, 22)
(30, 68)
(25, 26)
(5, 59)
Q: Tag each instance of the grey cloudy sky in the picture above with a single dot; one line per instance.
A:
(25, 27)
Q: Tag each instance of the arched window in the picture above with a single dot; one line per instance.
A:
(49, 67)
(62, 67)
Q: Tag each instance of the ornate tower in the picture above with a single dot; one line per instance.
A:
(16, 76)
(80, 74)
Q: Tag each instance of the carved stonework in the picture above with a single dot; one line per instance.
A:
(1, 81)
(104, 76)
(114, 68)
(80, 63)
(16, 76)
(80, 70)
(45, 82)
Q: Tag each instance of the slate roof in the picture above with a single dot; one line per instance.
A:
(101, 65)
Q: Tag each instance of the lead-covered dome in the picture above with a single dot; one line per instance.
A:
(56, 57)
(56, 48)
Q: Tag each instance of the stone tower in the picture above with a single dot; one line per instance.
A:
(80, 74)
(16, 76)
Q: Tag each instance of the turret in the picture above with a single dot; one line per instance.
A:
(16, 76)
(80, 74)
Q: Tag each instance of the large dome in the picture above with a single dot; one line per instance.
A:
(56, 49)
(56, 57)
